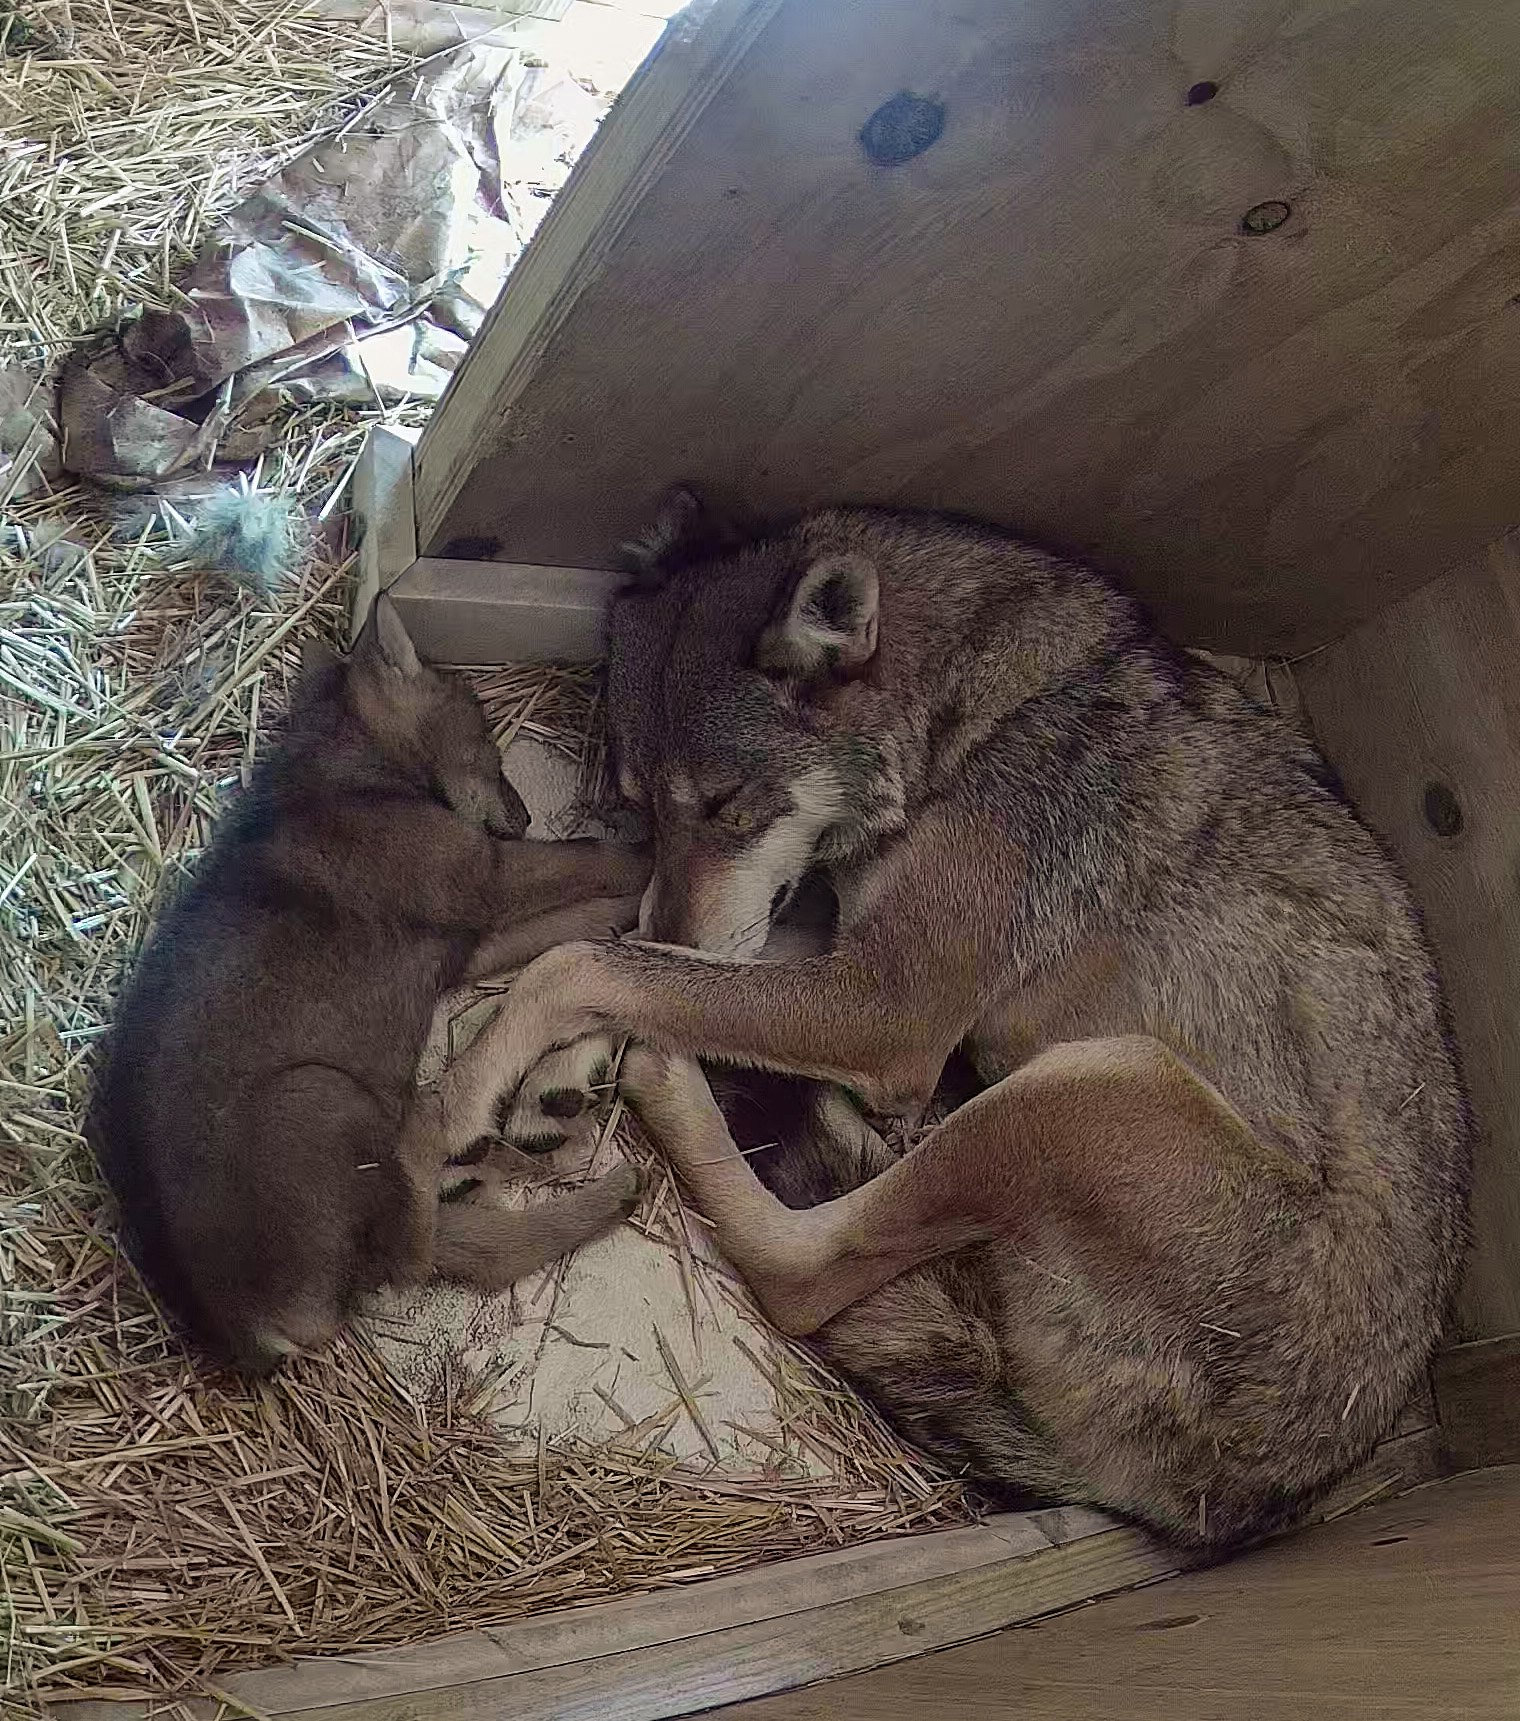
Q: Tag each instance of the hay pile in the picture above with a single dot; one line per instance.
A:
(125, 126)
(159, 1527)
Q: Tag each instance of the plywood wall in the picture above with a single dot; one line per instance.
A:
(1224, 293)
(1420, 712)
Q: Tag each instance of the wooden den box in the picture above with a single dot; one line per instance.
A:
(1223, 295)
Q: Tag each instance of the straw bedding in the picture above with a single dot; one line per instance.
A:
(160, 1526)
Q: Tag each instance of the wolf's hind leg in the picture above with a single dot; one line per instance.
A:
(1114, 1143)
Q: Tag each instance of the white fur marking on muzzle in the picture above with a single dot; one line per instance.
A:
(738, 922)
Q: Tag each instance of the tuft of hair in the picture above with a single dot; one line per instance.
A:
(255, 537)
(252, 535)
(647, 556)
(687, 528)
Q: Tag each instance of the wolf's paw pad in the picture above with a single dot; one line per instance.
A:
(563, 1100)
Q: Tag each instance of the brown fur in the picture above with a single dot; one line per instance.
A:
(256, 1115)
(1188, 1253)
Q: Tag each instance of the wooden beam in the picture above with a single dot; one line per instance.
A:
(505, 612)
(1072, 312)
(383, 516)
(1419, 711)
(693, 1646)
(465, 612)
(1404, 1613)
(1478, 1390)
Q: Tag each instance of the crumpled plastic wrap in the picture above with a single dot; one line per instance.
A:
(361, 271)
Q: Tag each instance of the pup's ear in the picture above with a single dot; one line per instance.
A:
(829, 623)
(518, 818)
(687, 528)
(384, 641)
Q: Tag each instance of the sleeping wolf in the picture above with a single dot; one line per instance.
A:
(1188, 1251)
(256, 1116)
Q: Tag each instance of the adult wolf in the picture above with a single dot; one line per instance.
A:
(1188, 1251)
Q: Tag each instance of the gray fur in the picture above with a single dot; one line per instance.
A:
(1175, 863)
(255, 537)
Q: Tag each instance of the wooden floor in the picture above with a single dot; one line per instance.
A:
(1407, 1609)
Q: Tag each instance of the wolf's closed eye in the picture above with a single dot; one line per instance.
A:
(715, 806)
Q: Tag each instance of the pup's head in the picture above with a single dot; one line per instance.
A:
(428, 726)
(728, 678)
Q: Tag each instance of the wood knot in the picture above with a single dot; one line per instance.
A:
(901, 128)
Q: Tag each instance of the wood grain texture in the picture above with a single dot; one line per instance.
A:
(1478, 1386)
(1427, 697)
(499, 612)
(712, 1667)
(696, 1645)
(1408, 1610)
(1404, 1462)
(1052, 317)
(382, 511)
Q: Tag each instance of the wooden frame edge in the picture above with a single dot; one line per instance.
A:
(1477, 1388)
(677, 1651)
(383, 515)
(465, 612)
(482, 613)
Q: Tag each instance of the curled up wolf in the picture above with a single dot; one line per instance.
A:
(256, 1115)
(1188, 1250)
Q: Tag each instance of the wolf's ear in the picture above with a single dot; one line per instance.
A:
(384, 640)
(829, 623)
(677, 535)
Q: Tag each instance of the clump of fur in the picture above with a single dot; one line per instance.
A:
(255, 537)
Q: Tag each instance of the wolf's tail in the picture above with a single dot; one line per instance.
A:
(807, 1140)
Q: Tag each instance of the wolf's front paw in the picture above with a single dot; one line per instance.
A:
(563, 1101)
(475, 1180)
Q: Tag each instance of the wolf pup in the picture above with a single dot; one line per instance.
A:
(256, 1115)
(1188, 1251)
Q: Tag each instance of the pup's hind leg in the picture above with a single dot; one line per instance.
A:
(1116, 1143)
(489, 1246)
(404, 1214)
